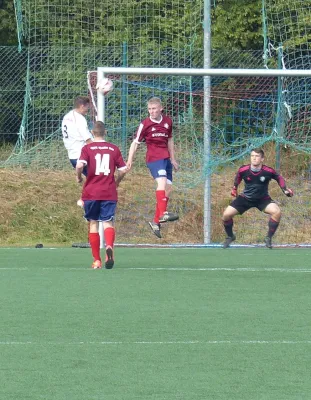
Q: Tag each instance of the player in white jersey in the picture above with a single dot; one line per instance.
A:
(75, 130)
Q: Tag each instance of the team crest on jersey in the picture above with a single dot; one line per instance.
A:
(166, 125)
(262, 178)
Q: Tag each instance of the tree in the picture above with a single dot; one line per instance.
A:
(237, 25)
(8, 34)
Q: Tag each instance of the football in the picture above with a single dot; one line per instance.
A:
(105, 86)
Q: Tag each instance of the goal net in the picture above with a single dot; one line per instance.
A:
(62, 41)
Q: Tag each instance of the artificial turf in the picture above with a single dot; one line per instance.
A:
(163, 324)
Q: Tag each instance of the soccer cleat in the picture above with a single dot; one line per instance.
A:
(228, 241)
(97, 264)
(155, 229)
(109, 258)
(268, 242)
(168, 217)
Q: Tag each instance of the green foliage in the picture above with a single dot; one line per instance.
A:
(237, 24)
(8, 34)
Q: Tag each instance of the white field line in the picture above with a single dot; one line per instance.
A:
(203, 269)
(143, 342)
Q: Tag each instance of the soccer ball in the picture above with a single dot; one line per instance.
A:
(105, 86)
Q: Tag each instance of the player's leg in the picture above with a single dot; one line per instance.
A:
(158, 172)
(227, 219)
(91, 213)
(237, 206)
(166, 216)
(107, 215)
(274, 211)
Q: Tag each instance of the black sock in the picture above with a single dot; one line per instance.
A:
(273, 226)
(228, 225)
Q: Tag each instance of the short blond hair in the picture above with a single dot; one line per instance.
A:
(155, 100)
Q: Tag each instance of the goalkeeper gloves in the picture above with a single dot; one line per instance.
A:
(234, 192)
(288, 192)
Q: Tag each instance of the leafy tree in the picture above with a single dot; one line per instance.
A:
(8, 34)
(237, 25)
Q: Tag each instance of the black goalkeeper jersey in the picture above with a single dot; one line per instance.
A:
(256, 183)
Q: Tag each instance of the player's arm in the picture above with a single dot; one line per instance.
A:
(237, 181)
(281, 181)
(82, 161)
(83, 129)
(170, 146)
(132, 151)
(121, 174)
(79, 168)
(134, 145)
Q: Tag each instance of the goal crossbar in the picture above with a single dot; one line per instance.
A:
(204, 71)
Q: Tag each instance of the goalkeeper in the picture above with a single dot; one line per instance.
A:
(256, 177)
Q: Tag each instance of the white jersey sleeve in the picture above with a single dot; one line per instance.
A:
(75, 133)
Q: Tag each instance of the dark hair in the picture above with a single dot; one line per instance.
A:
(99, 129)
(81, 101)
(258, 150)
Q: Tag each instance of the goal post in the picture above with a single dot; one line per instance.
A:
(253, 98)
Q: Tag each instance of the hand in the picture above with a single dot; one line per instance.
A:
(129, 165)
(79, 179)
(234, 192)
(175, 165)
(289, 192)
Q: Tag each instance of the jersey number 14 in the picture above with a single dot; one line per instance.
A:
(102, 164)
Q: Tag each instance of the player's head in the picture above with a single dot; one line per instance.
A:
(257, 157)
(82, 104)
(99, 130)
(155, 108)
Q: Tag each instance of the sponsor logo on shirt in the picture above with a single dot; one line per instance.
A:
(159, 134)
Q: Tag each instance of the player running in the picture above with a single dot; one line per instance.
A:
(156, 131)
(256, 178)
(99, 193)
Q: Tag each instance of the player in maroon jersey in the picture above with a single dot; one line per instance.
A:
(256, 177)
(156, 131)
(99, 192)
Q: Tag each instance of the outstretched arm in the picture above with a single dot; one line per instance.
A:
(133, 148)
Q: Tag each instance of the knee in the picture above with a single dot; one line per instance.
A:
(226, 216)
(277, 215)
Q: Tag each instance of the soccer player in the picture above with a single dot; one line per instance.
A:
(99, 193)
(256, 177)
(75, 130)
(156, 131)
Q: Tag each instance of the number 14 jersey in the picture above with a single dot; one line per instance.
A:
(102, 159)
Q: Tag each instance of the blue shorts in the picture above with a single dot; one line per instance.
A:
(74, 163)
(161, 169)
(99, 210)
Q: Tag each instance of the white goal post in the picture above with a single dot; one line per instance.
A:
(207, 73)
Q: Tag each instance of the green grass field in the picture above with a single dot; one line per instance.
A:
(164, 324)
